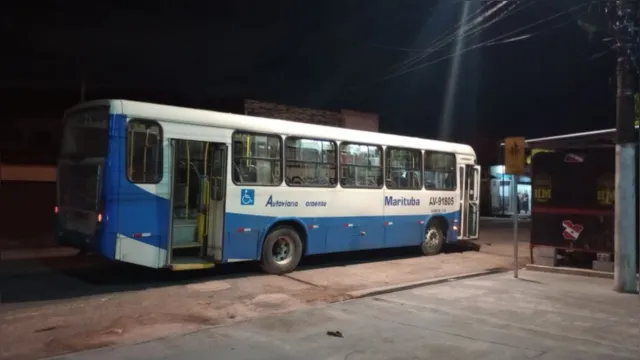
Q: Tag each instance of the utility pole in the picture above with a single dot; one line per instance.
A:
(626, 13)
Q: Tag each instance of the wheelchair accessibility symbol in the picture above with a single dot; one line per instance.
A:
(247, 196)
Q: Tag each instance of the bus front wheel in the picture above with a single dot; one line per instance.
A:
(281, 251)
(433, 240)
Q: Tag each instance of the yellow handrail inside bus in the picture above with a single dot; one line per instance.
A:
(248, 149)
(186, 188)
(205, 191)
(202, 216)
(144, 157)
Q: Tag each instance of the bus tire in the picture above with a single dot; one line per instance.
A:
(433, 241)
(281, 251)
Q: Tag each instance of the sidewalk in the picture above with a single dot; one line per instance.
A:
(27, 262)
(49, 314)
(26, 241)
(36, 253)
(32, 248)
(540, 316)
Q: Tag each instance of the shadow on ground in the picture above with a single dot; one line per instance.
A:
(76, 276)
(61, 278)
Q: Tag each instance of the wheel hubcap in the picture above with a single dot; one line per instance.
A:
(432, 238)
(282, 250)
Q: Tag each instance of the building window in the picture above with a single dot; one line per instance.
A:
(403, 168)
(144, 152)
(361, 166)
(257, 159)
(310, 162)
(439, 171)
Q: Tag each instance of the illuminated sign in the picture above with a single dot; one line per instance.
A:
(542, 188)
(606, 190)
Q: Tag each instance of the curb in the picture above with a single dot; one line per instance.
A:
(359, 294)
(570, 271)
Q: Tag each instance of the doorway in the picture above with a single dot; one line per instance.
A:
(469, 201)
(197, 202)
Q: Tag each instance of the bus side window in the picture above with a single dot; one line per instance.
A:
(361, 166)
(439, 171)
(403, 168)
(310, 162)
(144, 151)
(257, 159)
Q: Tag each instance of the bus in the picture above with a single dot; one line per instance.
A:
(169, 187)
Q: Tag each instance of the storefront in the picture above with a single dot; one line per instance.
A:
(501, 193)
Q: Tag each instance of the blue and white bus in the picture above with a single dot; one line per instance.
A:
(169, 187)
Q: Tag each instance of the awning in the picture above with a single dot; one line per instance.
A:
(587, 139)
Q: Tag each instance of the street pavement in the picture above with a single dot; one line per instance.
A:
(67, 304)
(540, 316)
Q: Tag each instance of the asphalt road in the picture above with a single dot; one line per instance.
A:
(542, 316)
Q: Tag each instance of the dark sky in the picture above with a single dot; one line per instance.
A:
(328, 54)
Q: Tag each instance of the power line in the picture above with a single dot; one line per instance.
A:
(471, 31)
(494, 41)
(441, 40)
(449, 32)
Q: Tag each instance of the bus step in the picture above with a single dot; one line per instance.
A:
(193, 244)
(191, 263)
(186, 252)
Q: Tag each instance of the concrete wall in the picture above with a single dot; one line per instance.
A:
(360, 120)
(293, 113)
(349, 119)
(26, 214)
(27, 199)
(27, 173)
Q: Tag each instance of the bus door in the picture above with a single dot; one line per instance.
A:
(218, 192)
(194, 216)
(469, 201)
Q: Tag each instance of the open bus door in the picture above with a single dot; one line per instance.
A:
(197, 204)
(469, 201)
(218, 186)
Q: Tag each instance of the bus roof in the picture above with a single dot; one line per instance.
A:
(200, 117)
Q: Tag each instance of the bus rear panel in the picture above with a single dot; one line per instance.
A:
(80, 178)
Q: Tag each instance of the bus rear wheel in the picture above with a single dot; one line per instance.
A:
(281, 251)
(433, 241)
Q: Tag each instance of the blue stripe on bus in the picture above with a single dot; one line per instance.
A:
(244, 234)
(129, 209)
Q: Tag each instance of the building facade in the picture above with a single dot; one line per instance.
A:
(349, 119)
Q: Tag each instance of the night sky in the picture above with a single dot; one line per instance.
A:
(328, 54)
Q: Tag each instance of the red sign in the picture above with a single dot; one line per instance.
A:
(571, 231)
